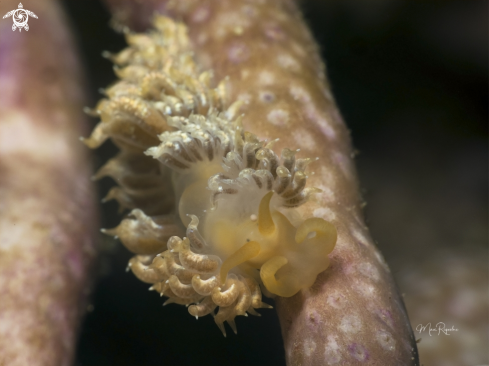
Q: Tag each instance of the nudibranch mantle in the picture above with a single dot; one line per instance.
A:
(213, 222)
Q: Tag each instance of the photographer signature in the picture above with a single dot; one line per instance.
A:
(439, 328)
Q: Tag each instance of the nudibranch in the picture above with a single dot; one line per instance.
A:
(213, 222)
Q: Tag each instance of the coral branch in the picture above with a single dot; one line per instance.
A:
(47, 211)
(353, 313)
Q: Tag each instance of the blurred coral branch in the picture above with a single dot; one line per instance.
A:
(47, 210)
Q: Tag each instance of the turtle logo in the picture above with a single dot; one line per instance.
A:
(20, 16)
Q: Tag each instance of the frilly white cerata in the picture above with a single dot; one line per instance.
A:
(187, 167)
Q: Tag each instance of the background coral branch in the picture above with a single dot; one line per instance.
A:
(47, 212)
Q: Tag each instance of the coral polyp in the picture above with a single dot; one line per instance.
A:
(213, 222)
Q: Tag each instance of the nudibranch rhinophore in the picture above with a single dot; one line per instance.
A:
(187, 167)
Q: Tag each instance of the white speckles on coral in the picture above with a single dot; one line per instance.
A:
(324, 213)
(358, 352)
(309, 347)
(327, 193)
(336, 300)
(299, 93)
(359, 235)
(288, 62)
(386, 340)
(314, 319)
(311, 111)
(332, 354)
(305, 140)
(386, 316)
(201, 14)
(278, 117)
(369, 270)
(381, 261)
(266, 78)
(238, 52)
(231, 22)
(328, 178)
(351, 324)
(245, 73)
(344, 163)
(326, 128)
(273, 32)
(367, 290)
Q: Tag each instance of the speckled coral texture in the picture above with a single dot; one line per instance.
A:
(353, 315)
(47, 211)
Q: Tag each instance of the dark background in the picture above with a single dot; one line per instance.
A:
(410, 78)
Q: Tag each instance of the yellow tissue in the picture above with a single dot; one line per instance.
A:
(265, 222)
(243, 254)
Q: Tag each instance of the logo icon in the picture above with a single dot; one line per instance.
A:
(20, 17)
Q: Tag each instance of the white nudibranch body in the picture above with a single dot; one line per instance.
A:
(213, 221)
